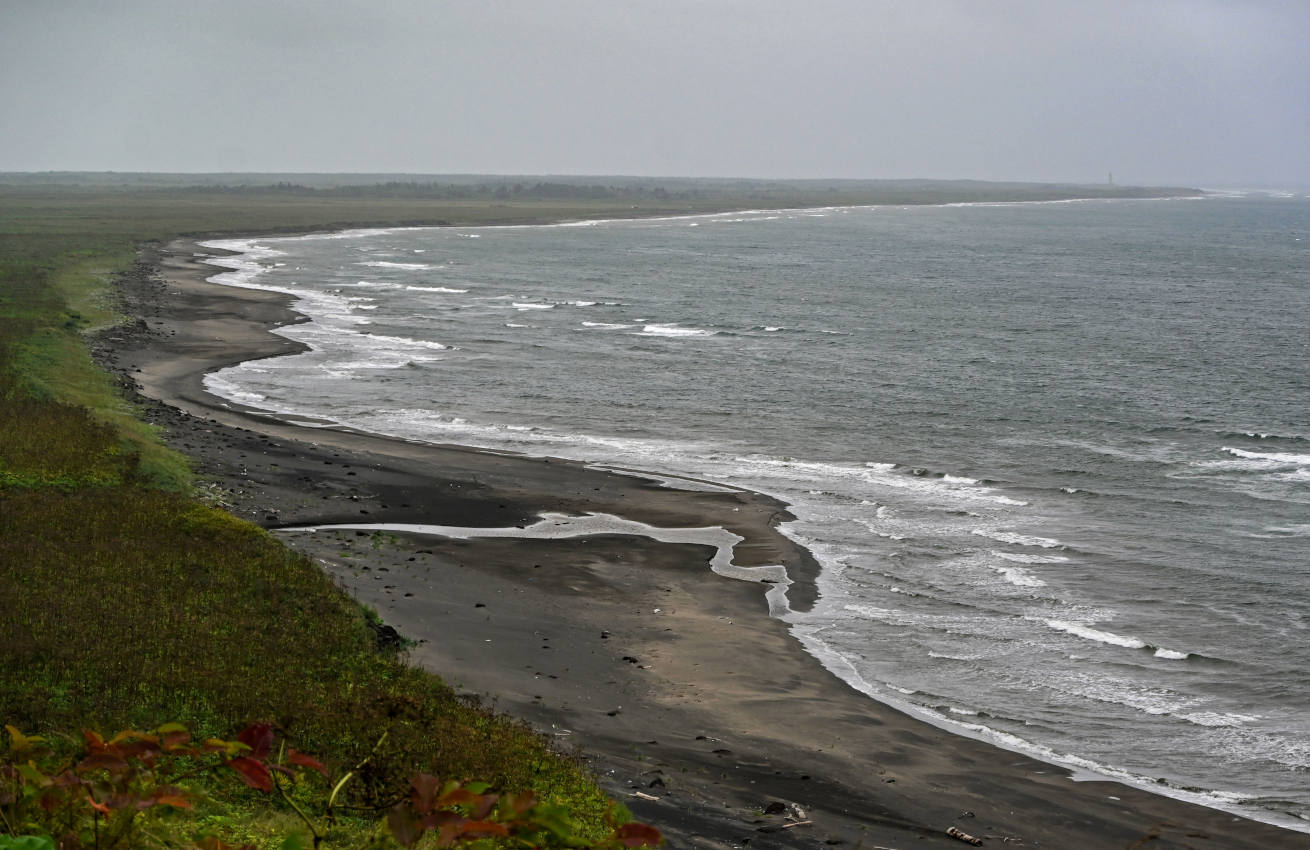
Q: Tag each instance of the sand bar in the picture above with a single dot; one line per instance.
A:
(692, 704)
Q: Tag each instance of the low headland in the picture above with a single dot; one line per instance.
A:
(686, 700)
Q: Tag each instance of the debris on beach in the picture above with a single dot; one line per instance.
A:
(964, 836)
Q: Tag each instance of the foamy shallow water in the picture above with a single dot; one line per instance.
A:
(1054, 505)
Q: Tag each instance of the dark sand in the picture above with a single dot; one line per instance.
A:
(671, 681)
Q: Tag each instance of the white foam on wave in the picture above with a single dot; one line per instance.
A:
(1085, 769)
(1019, 577)
(1290, 530)
(932, 653)
(386, 264)
(369, 284)
(879, 474)
(1020, 558)
(340, 353)
(874, 612)
(875, 526)
(1018, 539)
(673, 482)
(1087, 633)
(606, 326)
(426, 424)
(448, 289)
(1218, 718)
(249, 261)
(353, 233)
(407, 342)
(1281, 458)
(673, 330)
(220, 386)
(532, 305)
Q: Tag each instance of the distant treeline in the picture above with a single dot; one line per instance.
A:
(466, 191)
(623, 189)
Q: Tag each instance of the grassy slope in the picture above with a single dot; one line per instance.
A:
(132, 604)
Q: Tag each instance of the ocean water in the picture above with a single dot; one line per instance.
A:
(1054, 458)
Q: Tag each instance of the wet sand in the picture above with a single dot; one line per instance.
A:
(692, 705)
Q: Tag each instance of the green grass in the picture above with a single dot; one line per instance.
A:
(149, 605)
(129, 603)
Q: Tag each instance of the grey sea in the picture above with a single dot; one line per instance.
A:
(1054, 458)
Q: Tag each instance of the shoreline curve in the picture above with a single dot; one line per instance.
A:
(882, 773)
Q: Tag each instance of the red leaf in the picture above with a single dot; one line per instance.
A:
(67, 779)
(145, 750)
(486, 803)
(423, 796)
(458, 796)
(303, 760)
(130, 735)
(258, 737)
(447, 834)
(103, 761)
(638, 835)
(443, 819)
(173, 800)
(255, 773)
(482, 829)
(99, 807)
(94, 742)
(405, 828)
(176, 740)
(171, 796)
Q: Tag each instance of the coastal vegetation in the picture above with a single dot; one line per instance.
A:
(131, 604)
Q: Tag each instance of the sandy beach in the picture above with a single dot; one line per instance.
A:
(691, 704)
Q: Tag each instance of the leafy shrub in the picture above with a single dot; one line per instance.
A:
(134, 789)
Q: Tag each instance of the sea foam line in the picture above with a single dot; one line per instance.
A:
(1083, 769)
(1086, 632)
(1271, 457)
(555, 526)
(673, 330)
(1018, 539)
(384, 264)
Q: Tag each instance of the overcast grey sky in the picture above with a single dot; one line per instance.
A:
(1202, 92)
